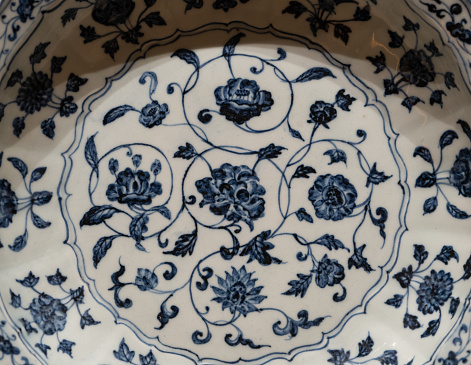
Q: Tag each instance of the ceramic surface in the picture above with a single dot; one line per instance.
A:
(235, 182)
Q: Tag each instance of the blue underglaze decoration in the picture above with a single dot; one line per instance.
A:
(11, 204)
(458, 176)
(416, 69)
(48, 314)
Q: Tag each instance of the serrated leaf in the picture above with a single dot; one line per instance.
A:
(29, 281)
(186, 152)
(56, 279)
(411, 321)
(19, 165)
(87, 320)
(446, 254)
(111, 47)
(378, 61)
(184, 245)
(447, 138)
(295, 8)
(303, 172)
(88, 34)
(315, 73)
(123, 353)
(39, 53)
(97, 215)
(188, 56)
(269, 152)
(229, 47)
(15, 300)
(257, 249)
(56, 64)
(15, 77)
(432, 328)
(395, 301)
(450, 80)
(365, 347)
(376, 177)
(358, 261)
(149, 359)
(154, 19)
(68, 16)
(420, 254)
(116, 113)
(330, 242)
(389, 357)
(300, 286)
(336, 155)
(66, 347)
(342, 31)
(396, 39)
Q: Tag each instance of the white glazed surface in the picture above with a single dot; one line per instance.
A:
(235, 182)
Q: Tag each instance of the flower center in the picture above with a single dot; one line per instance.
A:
(237, 293)
(334, 197)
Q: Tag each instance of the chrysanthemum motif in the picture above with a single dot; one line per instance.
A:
(35, 92)
(49, 314)
(233, 192)
(153, 114)
(241, 99)
(460, 173)
(333, 197)
(434, 291)
(8, 203)
(238, 292)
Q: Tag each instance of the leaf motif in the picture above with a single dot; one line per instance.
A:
(295, 8)
(450, 80)
(411, 101)
(154, 19)
(186, 152)
(432, 328)
(97, 215)
(396, 301)
(302, 215)
(56, 279)
(41, 197)
(315, 73)
(43, 347)
(300, 286)
(455, 212)
(437, 97)
(91, 155)
(446, 254)
(101, 248)
(271, 151)
(229, 47)
(430, 205)
(56, 64)
(74, 82)
(389, 357)
(138, 227)
(19, 165)
(339, 357)
(336, 155)
(358, 261)
(116, 113)
(68, 16)
(303, 172)
(257, 249)
(378, 61)
(111, 47)
(47, 127)
(426, 180)
(87, 320)
(37, 174)
(163, 210)
(149, 359)
(454, 304)
(467, 269)
(411, 321)
(19, 243)
(330, 242)
(29, 281)
(424, 153)
(466, 128)
(15, 77)
(420, 254)
(39, 53)
(15, 300)
(18, 126)
(296, 134)
(447, 138)
(376, 177)
(184, 245)
(123, 353)
(188, 56)
(341, 31)
(396, 39)
(38, 221)
(88, 34)
(66, 347)
(365, 347)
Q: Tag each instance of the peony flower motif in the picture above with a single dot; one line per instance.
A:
(322, 113)
(133, 187)
(6, 347)
(153, 114)
(8, 203)
(35, 92)
(329, 272)
(233, 192)
(241, 99)
(49, 314)
(146, 279)
(460, 173)
(112, 12)
(238, 292)
(434, 291)
(25, 9)
(333, 197)
(416, 68)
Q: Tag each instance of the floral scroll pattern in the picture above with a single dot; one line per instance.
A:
(48, 314)
(230, 195)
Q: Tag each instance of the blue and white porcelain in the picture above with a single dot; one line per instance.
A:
(235, 182)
